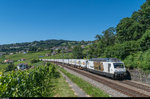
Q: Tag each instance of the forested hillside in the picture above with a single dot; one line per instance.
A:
(128, 41)
(38, 45)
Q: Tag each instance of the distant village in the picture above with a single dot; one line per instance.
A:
(52, 51)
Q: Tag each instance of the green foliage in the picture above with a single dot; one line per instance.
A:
(48, 64)
(138, 60)
(129, 29)
(3, 67)
(133, 28)
(108, 37)
(122, 50)
(77, 52)
(34, 61)
(33, 49)
(145, 41)
(144, 14)
(32, 83)
(10, 67)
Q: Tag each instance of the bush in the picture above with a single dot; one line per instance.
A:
(48, 64)
(122, 50)
(10, 67)
(34, 61)
(138, 60)
(32, 83)
(145, 41)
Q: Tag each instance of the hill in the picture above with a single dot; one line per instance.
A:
(38, 45)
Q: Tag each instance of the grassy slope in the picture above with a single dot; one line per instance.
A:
(87, 87)
(62, 88)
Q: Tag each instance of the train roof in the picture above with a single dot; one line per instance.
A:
(105, 59)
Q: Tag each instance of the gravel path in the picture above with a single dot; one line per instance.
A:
(110, 91)
(79, 92)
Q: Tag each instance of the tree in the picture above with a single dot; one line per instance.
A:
(144, 14)
(77, 52)
(109, 36)
(33, 49)
(98, 37)
(129, 29)
(133, 28)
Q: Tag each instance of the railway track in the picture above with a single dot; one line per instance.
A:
(140, 86)
(126, 87)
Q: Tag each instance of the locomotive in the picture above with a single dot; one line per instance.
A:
(109, 67)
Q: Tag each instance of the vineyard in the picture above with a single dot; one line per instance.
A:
(34, 82)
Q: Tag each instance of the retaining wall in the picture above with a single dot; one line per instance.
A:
(139, 75)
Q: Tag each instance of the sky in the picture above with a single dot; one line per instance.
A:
(35, 20)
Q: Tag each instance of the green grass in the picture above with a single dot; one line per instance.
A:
(62, 88)
(87, 87)
(28, 56)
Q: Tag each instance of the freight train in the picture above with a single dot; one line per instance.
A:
(109, 67)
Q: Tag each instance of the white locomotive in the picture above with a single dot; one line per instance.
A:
(109, 67)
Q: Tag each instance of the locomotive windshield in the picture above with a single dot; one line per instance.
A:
(118, 65)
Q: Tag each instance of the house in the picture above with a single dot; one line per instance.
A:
(53, 53)
(89, 43)
(57, 48)
(69, 50)
(5, 61)
(83, 46)
(72, 47)
(11, 53)
(22, 66)
(24, 52)
(47, 54)
(53, 48)
(23, 59)
(8, 61)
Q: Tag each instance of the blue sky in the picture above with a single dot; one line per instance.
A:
(30, 20)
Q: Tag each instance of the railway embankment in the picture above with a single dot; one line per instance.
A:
(106, 89)
(77, 90)
(126, 87)
(87, 87)
(139, 75)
